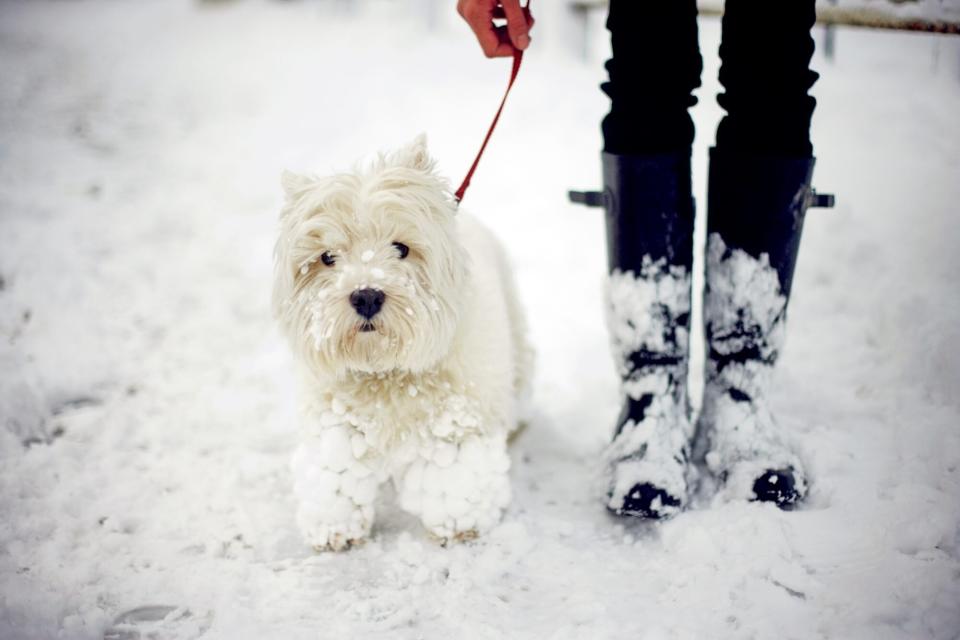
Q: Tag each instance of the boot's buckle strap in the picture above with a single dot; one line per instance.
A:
(821, 200)
(588, 198)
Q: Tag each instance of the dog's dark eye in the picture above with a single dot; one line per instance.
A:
(327, 258)
(402, 248)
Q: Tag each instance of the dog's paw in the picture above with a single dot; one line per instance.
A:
(457, 537)
(466, 536)
(339, 542)
(464, 523)
(325, 535)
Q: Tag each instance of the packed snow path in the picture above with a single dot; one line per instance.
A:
(140, 151)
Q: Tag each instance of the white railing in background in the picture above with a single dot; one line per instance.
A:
(938, 16)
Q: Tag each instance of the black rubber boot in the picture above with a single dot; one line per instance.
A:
(649, 219)
(756, 207)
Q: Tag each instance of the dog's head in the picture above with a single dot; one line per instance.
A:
(369, 271)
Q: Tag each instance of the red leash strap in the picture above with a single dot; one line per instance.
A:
(517, 59)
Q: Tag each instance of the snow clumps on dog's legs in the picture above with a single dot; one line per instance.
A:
(335, 489)
(458, 490)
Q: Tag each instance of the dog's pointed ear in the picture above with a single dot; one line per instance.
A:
(294, 184)
(415, 154)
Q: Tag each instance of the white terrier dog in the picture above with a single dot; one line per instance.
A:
(411, 341)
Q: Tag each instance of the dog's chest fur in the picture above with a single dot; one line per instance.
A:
(396, 410)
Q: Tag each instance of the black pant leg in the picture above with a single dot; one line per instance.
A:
(655, 67)
(765, 71)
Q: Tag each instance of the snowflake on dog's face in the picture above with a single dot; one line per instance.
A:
(370, 272)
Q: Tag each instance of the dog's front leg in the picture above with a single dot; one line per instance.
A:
(335, 486)
(458, 490)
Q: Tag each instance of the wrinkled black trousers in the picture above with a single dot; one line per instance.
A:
(765, 53)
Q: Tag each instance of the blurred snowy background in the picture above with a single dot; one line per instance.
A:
(146, 402)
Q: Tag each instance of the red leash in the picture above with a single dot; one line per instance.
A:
(517, 59)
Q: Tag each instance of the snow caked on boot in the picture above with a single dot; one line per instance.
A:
(756, 206)
(649, 215)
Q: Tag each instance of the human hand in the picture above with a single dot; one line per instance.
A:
(498, 41)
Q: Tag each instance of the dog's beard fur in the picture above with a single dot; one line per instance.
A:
(357, 218)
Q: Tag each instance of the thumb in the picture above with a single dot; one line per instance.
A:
(517, 25)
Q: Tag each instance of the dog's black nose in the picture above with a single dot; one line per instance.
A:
(367, 302)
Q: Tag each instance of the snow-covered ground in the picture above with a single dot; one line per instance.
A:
(140, 152)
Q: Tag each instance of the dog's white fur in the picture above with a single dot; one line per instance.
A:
(428, 397)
